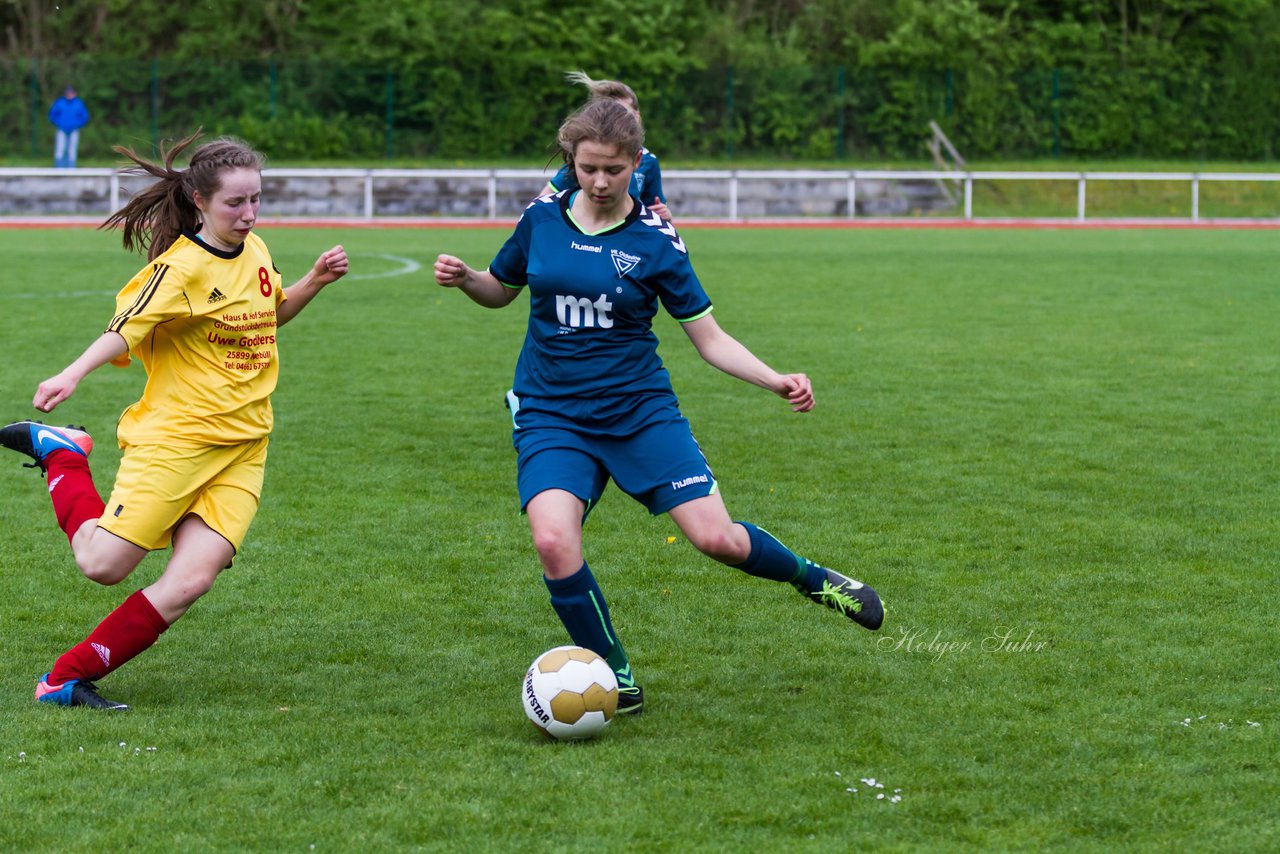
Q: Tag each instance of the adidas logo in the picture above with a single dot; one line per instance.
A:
(103, 653)
(216, 296)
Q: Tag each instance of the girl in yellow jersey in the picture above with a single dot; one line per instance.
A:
(202, 318)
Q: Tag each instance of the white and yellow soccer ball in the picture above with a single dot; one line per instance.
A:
(570, 693)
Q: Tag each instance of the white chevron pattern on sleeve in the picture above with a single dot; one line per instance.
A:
(666, 228)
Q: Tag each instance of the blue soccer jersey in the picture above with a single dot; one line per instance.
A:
(592, 300)
(646, 181)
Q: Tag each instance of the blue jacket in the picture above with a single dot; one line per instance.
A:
(68, 114)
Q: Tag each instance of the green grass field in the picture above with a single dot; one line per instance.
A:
(1052, 452)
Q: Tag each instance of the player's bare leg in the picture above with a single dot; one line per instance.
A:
(555, 521)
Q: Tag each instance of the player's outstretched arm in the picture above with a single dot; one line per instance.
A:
(58, 388)
(329, 267)
(480, 285)
(721, 350)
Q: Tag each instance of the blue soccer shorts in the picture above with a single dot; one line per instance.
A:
(658, 464)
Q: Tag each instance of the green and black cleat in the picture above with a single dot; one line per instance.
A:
(852, 598)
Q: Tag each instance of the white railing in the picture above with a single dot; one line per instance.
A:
(966, 180)
(726, 185)
(1081, 179)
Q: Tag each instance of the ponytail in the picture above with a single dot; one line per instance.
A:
(157, 216)
(605, 90)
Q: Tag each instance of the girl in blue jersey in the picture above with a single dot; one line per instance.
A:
(646, 180)
(591, 399)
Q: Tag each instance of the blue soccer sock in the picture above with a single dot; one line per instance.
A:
(770, 559)
(581, 607)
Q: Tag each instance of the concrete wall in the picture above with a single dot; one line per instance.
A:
(342, 193)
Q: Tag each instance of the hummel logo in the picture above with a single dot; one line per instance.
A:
(622, 262)
(689, 481)
(103, 653)
(216, 296)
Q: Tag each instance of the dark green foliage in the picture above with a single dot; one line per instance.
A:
(419, 79)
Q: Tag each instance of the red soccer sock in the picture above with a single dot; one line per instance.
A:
(126, 632)
(75, 498)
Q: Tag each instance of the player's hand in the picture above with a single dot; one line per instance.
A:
(53, 391)
(798, 391)
(330, 266)
(660, 209)
(451, 272)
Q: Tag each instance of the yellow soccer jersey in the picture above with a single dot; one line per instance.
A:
(203, 322)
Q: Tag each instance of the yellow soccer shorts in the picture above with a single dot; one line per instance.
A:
(158, 486)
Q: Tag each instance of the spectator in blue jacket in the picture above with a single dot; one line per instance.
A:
(68, 114)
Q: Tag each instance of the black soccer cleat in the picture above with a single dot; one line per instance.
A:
(75, 692)
(852, 598)
(630, 700)
(38, 440)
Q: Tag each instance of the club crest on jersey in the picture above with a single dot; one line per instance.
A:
(622, 262)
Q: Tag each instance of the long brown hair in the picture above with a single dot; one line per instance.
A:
(154, 218)
(606, 121)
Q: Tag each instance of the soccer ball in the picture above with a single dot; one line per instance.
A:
(570, 693)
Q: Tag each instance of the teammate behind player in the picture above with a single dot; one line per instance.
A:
(592, 400)
(202, 317)
(646, 181)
